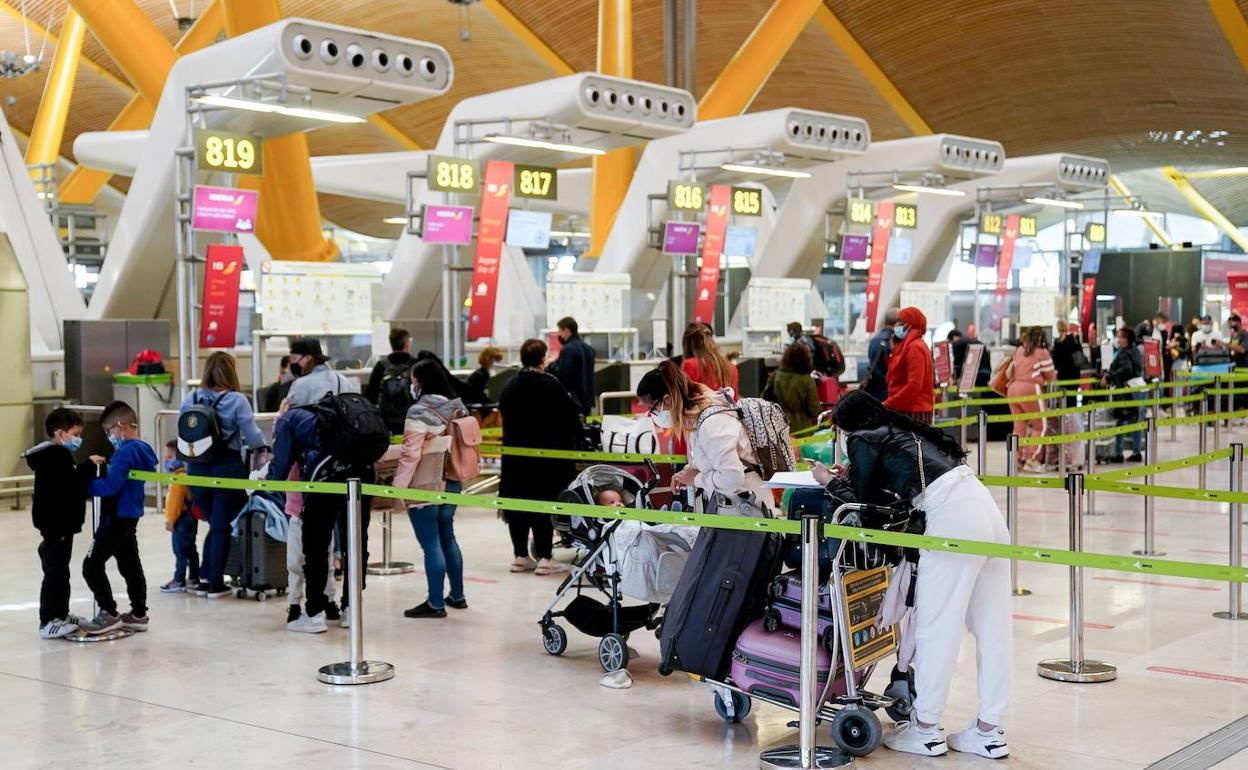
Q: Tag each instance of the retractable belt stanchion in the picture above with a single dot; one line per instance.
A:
(981, 442)
(962, 416)
(1217, 410)
(116, 633)
(356, 670)
(386, 566)
(1076, 669)
(1011, 509)
(806, 754)
(1203, 441)
(1234, 608)
(1150, 524)
(1089, 467)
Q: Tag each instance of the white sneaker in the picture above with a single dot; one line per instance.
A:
(550, 567)
(971, 741)
(523, 564)
(912, 739)
(308, 624)
(55, 629)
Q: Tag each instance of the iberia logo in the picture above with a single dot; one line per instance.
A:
(885, 222)
(238, 201)
(499, 190)
(1011, 232)
(720, 211)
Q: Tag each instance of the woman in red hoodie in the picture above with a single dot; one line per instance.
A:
(910, 368)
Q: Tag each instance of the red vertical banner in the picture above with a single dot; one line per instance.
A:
(495, 195)
(879, 252)
(218, 322)
(1004, 261)
(712, 248)
(1087, 301)
(1152, 359)
(1238, 283)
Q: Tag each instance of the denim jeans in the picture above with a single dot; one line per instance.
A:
(219, 507)
(1137, 437)
(435, 529)
(185, 554)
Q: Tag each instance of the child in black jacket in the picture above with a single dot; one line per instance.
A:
(58, 511)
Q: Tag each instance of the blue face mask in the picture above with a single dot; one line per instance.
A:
(900, 332)
(116, 441)
(172, 465)
(73, 443)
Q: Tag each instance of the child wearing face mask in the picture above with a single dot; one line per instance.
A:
(58, 511)
(182, 524)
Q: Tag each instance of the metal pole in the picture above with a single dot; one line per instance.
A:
(1011, 509)
(1217, 408)
(116, 633)
(981, 440)
(1089, 467)
(386, 566)
(1235, 606)
(356, 670)
(962, 427)
(669, 43)
(806, 754)
(1150, 457)
(1076, 669)
(446, 305)
(1203, 441)
(690, 47)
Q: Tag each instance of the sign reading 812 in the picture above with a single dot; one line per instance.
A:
(990, 223)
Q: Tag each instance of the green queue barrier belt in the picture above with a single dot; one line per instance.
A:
(573, 454)
(1171, 493)
(1197, 418)
(783, 526)
(1085, 436)
(1174, 465)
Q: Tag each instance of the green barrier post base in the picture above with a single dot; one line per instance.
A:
(1075, 668)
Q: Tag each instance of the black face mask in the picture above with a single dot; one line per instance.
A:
(296, 369)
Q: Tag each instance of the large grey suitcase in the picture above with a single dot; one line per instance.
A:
(256, 561)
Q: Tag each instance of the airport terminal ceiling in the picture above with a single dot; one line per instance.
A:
(1143, 85)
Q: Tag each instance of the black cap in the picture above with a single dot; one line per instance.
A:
(307, 346)
(1206, 317)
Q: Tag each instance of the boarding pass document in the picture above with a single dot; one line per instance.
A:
(794, 480)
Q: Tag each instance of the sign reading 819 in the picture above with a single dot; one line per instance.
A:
(228, 152)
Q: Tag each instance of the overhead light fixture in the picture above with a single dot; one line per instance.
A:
(1059, 202)
(921, 188)
(1141, 213)
(214, 100)
(395, 220)
(542, 144)
(745, 168)
(568, 234)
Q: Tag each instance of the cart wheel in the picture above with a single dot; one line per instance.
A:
(829, 641)
(771, 620)
(613, 653)
(262, 596)
(741, 705)
(554, 639)
(857, 731)
(778, 586)
(240, 593)
(902, 693)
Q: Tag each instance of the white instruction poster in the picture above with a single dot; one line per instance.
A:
(598, 301)
(1037, 307)
(319, 296)
(774, 303)
(931, 298)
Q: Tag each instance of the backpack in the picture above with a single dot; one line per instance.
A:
(463, 459)
(395, 395)
(767, 429)
(200, 439)
(350, 431)
(828, 357)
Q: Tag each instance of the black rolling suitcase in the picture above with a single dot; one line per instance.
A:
(723, 587)
(256, 561)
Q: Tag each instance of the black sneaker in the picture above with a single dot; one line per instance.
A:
(459, 604)
(332, 612)
(293, 613)
(423, 610)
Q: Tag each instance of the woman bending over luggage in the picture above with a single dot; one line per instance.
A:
(435, 406)
(722, 463)
(885, 449)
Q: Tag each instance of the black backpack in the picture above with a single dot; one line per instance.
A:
(828, 357)
(395, 396)
(350, 430)
(200, 439)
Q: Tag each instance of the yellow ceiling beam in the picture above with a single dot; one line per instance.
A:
(1234, 27)
(58, 90)
(748, 69)
(1152, 223)
(137, 47)
(394, 132)
(870, 71)
(527, 37)
(613, 172)
(7, 8)
(1217, 173)
(1203, 206)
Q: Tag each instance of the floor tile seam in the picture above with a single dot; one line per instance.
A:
(227, 720)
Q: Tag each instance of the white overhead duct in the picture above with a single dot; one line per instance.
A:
(137, 271)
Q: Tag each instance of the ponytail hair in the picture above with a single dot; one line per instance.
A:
(859, 410)
(667, 381)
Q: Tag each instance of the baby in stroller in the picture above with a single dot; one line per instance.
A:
(617, 559)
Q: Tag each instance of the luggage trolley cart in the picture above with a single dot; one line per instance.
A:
(856, 597)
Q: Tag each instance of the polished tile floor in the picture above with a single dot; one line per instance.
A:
(223, 684)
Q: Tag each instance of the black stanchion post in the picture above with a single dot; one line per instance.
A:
(356, 670)
(1234, 609)
(1076, 669)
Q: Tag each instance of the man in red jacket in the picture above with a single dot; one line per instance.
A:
(910, 368)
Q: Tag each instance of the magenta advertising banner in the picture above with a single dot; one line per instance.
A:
(224, 209)
(854, 248)
(985, 255)
(447, 224)
(681, 237)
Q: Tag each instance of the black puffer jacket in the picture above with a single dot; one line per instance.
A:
(60, 499)
(883, 464)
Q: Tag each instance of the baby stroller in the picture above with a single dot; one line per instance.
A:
(598, 568)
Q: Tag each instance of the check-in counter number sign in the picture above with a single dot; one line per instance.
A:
(1026, 227)
(686, 196)
(536, 182)
(453, 175)
(906, 216)
(990, 224)
(228, 152)
(861, 211)
(747, 201)
(1095, 232)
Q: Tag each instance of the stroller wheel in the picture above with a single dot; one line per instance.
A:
(740, 706)
(613, 653)
(554, 639)
(857, 731)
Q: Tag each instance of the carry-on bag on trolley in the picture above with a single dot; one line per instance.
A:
(784, 609)
(256, 560)
(721, 590)
(767, 664)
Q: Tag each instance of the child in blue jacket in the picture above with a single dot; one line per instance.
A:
(122, 508)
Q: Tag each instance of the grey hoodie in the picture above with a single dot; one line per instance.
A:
(436, 411)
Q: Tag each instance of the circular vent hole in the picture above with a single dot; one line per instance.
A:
(329, 51)
(302, 46)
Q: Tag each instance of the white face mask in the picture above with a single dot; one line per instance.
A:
(1206, 328)
(663, 419)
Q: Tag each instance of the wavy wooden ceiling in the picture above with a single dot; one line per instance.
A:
(1102, 77)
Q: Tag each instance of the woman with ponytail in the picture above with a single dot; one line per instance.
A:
(704, 362)
(721, 460)
(895, 458)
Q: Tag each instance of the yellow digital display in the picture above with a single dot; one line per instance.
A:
(747, 201)
(861, 211)
(906, 216)
(536, 182)
(1095, 232)
(1027, 227)
(990, 223)
(685, 196)
(456, 175)
(228, 152)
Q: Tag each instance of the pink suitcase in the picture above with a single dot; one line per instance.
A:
(784, 609)
(766, 664)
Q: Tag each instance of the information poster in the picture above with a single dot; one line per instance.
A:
(712, 248)
(970, 368)
(1001, 297)
(224, 209)
(944, 363)
(864, 595)
(879, 252)
(681, 238)
(931, 297)
(1152, 359)
(1238, 283)
(1087, 301)
(985, 255)
(307, 297)
(854, 248)
(485, 264)
(598, 301)
(899, 250)
(218, 322)
(450, 225)
(774, 303)
(1037, 307)
(528, 229)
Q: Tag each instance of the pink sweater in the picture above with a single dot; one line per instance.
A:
(1034, 369)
